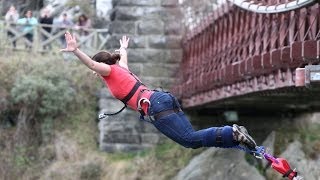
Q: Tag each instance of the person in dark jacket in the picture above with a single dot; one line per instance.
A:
(46, 21)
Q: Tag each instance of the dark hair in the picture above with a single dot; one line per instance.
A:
(106, 57)
(85, 19)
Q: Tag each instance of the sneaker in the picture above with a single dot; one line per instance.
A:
(241, 135)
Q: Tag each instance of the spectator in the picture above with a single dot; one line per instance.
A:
(83, 24)
(27, 25)
(11, 19)
(64, 24)
(47, 21)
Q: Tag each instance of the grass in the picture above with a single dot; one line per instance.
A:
(160, 162)
(81, 127)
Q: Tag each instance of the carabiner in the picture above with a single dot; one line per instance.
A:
(142, 100)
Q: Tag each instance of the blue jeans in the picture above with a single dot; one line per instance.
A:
(177, 127)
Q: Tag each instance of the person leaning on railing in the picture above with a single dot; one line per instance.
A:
(47, 20)
(160, 108)
(27, 25)
(11, 19)
(63, 25)
(83, 24)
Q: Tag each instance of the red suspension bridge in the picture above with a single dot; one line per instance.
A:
(238, 57)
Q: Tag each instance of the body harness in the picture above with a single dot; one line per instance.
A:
(141, 101)
(129, 96)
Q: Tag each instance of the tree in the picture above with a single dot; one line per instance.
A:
(40, 96)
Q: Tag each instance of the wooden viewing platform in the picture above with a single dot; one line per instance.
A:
(95, 39)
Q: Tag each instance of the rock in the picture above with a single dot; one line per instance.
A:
(219, 164)
(103, 8)
(307, 120)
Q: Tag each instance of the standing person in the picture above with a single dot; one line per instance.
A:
(84, 23)
(162, 108)
(11, 19)
(47, 21)
(64, 24)
(27, 25)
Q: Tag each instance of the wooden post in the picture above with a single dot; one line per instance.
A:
(36, 39)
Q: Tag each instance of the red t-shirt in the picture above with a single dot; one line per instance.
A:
(120, 82)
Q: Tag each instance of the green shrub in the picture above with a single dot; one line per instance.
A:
(57, 95)
(91, 171)
(48, 84)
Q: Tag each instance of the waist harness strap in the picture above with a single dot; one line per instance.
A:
(132, 92)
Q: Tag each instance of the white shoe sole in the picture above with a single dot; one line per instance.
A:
(245, 135)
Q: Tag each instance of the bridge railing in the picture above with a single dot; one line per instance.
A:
(233, 49)
(43, 41)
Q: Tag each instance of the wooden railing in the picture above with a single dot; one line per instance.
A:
(42, 41)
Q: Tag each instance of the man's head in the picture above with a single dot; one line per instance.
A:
(106, 57)
(46, 12)
(65, 16)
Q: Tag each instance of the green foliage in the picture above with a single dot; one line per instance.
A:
(50, 84)
(310, 137)
(46, 88)
(22, 161)
(83, 127)
(21, 157)
(51, 95)
(7, 70)
(311, 134)
(91, 171)
(47, 129)
(127, 156)
(63, 95)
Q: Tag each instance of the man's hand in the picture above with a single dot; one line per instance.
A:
(71, 43)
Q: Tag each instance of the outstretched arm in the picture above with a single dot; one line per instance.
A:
(100, 68)
(123, 52)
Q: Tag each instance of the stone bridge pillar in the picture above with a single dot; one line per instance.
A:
(155, 29)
